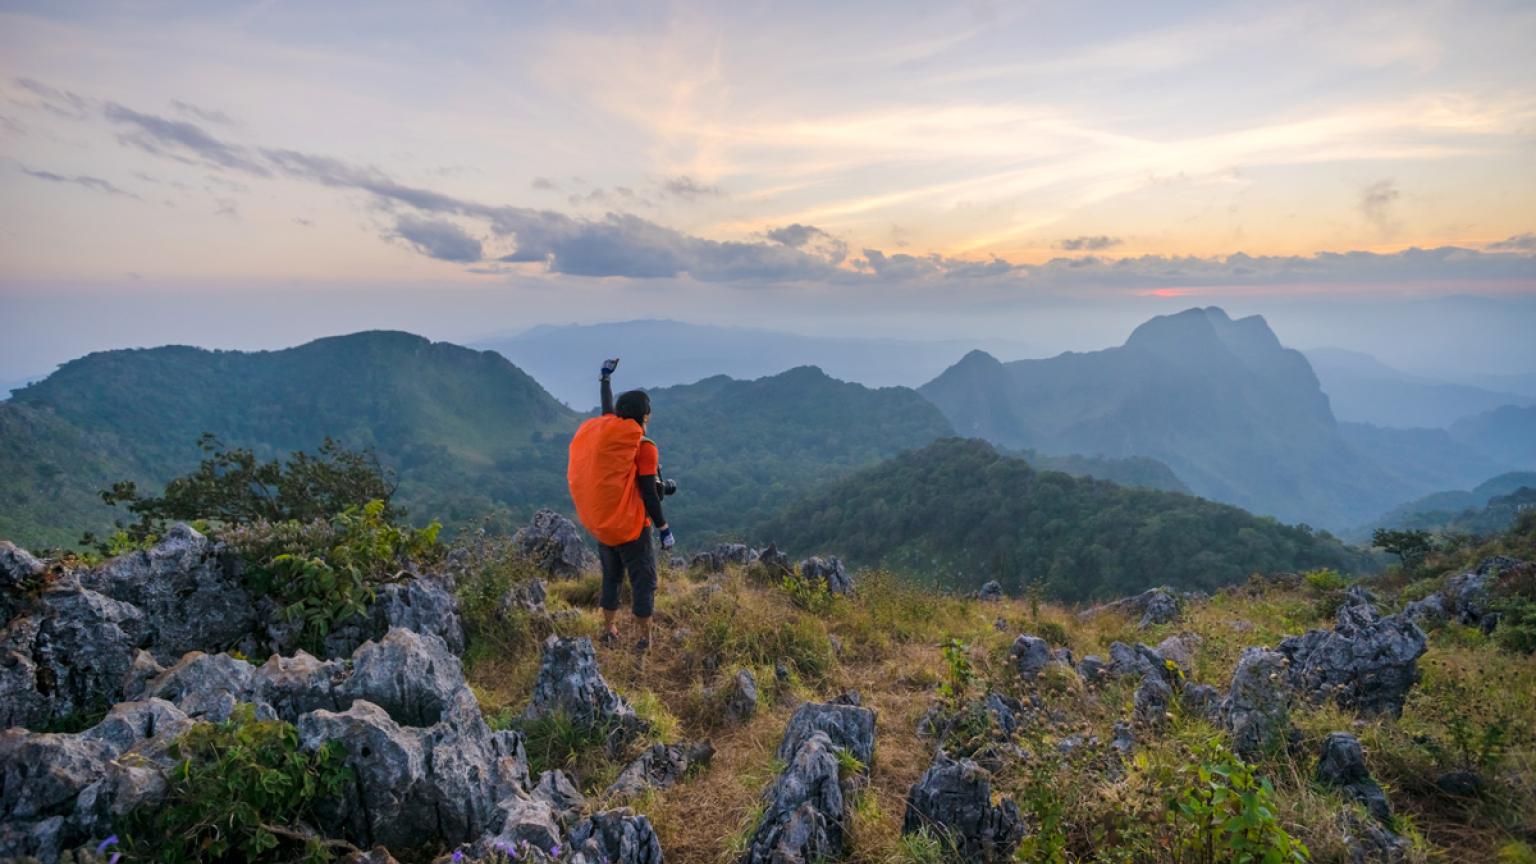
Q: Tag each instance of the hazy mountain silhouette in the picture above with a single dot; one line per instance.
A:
(1236, 415)
(1363, 389)
(659, 353)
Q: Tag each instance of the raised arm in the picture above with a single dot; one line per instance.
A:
(605, 388)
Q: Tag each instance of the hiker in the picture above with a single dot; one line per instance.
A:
(614, 478)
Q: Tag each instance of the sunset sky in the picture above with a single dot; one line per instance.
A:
(755, 162)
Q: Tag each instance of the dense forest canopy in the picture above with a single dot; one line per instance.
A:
(965, 513)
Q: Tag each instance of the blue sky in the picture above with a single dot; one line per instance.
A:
(765, 163)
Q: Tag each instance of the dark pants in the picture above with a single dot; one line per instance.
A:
(639, 560)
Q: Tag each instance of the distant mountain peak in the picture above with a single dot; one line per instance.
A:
(1208, 326)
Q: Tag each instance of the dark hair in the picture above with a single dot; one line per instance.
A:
(633, 405)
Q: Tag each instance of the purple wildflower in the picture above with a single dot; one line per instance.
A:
(101, 848)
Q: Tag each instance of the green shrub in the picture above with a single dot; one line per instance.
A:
(812, 595)
(1228, 814)
(1325, 580)
(322, 588)
(243, 790)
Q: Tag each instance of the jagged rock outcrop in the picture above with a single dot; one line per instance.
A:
(569, 683)
(189, 589)
(59, 791)
(1342, 766)
(208, 686)
(953, 800)
(1369, 842)
(526, 597)
(770, 557)
(1151, 700)
(740, 702)
(1202, 699)
(1154, 606)
(1367, 662)
(1031, 655)
(69, 655)
(20, 574)
(991, 592)
(1126, 661)
(661, 766)
(715, 560)
(848, 727)
(1257, 710)
(422, 604)
(615, 837)
(805, 817)
(555, 545)
(829, 570)
(556, 788)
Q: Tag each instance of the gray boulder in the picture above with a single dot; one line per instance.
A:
(661, 766)
(556, 788)
(423, 604)
(207, 686)
(615, 837)
(189, 589)
(1139, 661)
(992, 592)
(555, 545)
(770, 557)
(953, 800)
(1342, 767)
(1257, 708)
(1181, 649)
(829, 570)
(1151, 700)
(299, 684)
(1203, 700)
(20, 574)
(569, 683)
(1366, 662)
(805, 816)
(715, 560)
(412, 677)
(1092, 669)
(526, 822)
(1123, 739)
(741, 697)
(1428, 611)
(1154, 606)
(1030, 655)
(847, 727)
(527, 597)
(70, 656)
(1370, 842)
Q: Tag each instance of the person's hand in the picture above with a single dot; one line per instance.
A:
(609, 365)
(667, 540)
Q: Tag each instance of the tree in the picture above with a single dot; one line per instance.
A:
(1411, 547)
(232, 487)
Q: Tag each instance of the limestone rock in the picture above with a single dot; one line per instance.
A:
(569, 683)
(555, 545)
(556, 788)
(615, 837)
(715, 560)
(1154, 606)
(526, 597)
(1366, 662)
(847, 727)
(992, 592)
(1342, 766)
(741, 697)
(1257, 707)
(1031, 655)
(1152, 698)
(411, 676)
(829, 570)
(19, 573)
(953, 800)
(805, 815)
(206, 686)
(661, 766)
(190, 591)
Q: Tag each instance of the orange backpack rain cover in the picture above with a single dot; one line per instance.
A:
(601, 472)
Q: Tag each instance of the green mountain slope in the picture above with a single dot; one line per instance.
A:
(740, 449)
(962, 512)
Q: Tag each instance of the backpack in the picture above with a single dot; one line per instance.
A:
(601, 474)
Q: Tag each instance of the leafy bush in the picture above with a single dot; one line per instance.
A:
(322, 588)
(232, 487)
(1325, 580)
(1228, 813)
(812, 595)
(243, 790)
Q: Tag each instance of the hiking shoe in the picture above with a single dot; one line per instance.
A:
(609, 639)
(642, 646)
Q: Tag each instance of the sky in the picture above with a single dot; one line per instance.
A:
(256, 174)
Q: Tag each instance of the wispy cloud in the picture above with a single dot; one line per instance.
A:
(1376, 202)
(1518, 243)
(180, 140)
(439, 239)
(95, 184)
(1089, 243)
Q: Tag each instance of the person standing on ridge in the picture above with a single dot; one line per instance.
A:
(613, 475)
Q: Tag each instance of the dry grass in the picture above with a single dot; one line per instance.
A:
(890, 637)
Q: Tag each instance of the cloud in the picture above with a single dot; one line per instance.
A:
(1376, 203)
(1089, 243)
(544, 184)
(207, 115)
(55, 101)
(93, 183)
(810, 239)
(174, 138)
(307, 223)
(685, 187)
(1519, 243)
(901, 266)
(227, 207)
(439, 239)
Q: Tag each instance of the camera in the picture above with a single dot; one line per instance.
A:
(666, 487)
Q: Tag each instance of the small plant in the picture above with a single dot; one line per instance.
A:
(325, 589)
(1325, 580)
(957, 659)
(812, 595)
(1228, 814)
(243, 790)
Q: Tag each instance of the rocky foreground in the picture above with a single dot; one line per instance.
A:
(134, 652)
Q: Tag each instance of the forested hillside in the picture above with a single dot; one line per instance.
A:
(961, 513)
